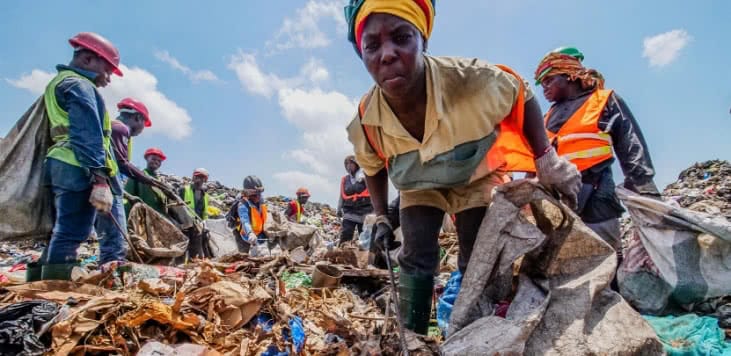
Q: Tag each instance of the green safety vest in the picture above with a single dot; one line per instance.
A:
(59, 122)
(189, 199)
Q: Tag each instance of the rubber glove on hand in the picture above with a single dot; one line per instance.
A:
(101, 197)
(560, 174)
(251, 238)
(382, 234)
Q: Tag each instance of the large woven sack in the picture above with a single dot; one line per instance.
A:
(562, 304)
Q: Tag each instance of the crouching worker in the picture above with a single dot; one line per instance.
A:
(444, 130)
(296, 207)
(250, 214)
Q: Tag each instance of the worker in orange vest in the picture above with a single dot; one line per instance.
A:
(590, 125)
(252, 215)
(355, 200)
(296, 207)
(443, 130)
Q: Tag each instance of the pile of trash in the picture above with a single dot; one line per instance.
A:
(222, 197)
(238, 305)
(704, 187)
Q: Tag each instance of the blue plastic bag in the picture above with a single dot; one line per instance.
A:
(690, 335)
(297, 331)
(446, 301)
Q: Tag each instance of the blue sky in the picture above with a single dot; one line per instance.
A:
(267, 87)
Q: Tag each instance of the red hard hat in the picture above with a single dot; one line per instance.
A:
(303, 192)
(99, 45)
(155, 151)
(129, 103)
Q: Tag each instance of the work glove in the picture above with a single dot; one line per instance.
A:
(339, 214)
(251, 238)
(101, 197)
(360, 176)
(382, 234)
(558, 173)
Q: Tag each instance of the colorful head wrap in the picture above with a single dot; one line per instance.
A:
(567, 60)
(419, 13)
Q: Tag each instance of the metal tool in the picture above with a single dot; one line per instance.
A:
(126, 238)
(402, 335)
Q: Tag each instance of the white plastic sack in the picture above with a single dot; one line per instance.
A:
(674, 255)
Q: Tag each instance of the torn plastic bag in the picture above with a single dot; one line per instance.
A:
(18, 326)
(690, 334)
(26, 205)
(675, 256)
(290, 235)
(154, 237)
(562, 303)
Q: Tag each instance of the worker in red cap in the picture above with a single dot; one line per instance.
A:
(80, 166)
(149, 194)
(295, 210)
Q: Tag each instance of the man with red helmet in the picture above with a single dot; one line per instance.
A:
(296, 207)
(149, 194)
(80, 166)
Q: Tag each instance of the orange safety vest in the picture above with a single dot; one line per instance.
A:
(354, 197)
(510, 150)
(258, 218)
(579, 139)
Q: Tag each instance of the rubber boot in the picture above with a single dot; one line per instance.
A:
(33, 272)
(60, 272)
(415, 299)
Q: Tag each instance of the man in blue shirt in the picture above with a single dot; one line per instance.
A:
(252, 213)
(80, 165)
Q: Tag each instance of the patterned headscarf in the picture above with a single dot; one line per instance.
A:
(558, 62)
(419, 13)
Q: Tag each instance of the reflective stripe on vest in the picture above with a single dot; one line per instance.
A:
(258, 218)
(189, 199)
(579, 139)
(354, 197)
(299, 211)
(59, 127)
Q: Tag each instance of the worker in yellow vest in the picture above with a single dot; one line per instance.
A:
(296, 207)
(80, 165)
(195, 195)
(590, 125)
(252, 215)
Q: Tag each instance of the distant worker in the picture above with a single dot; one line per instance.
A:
(586, 123)
(355, 200)
(80, 166)
(195, 195)
(296, 207)
(149, 194)
(250, 216)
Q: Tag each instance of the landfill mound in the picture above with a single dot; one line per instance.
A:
(704, 187)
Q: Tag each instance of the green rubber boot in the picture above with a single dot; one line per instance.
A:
(33, 272)
(60, 272)
(415, 299)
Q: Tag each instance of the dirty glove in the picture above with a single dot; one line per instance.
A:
(101, 197)
(251, 238)
(560, 174)
(382, 234)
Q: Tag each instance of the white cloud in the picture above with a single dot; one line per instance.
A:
(168, 118)
(35, 82)
(193, 75)
(320, 115)
(251, 77)
(320, 187)
(664, 48)
(303, 31)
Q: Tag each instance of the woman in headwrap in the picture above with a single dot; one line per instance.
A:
(586, 123)
(430, 125)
